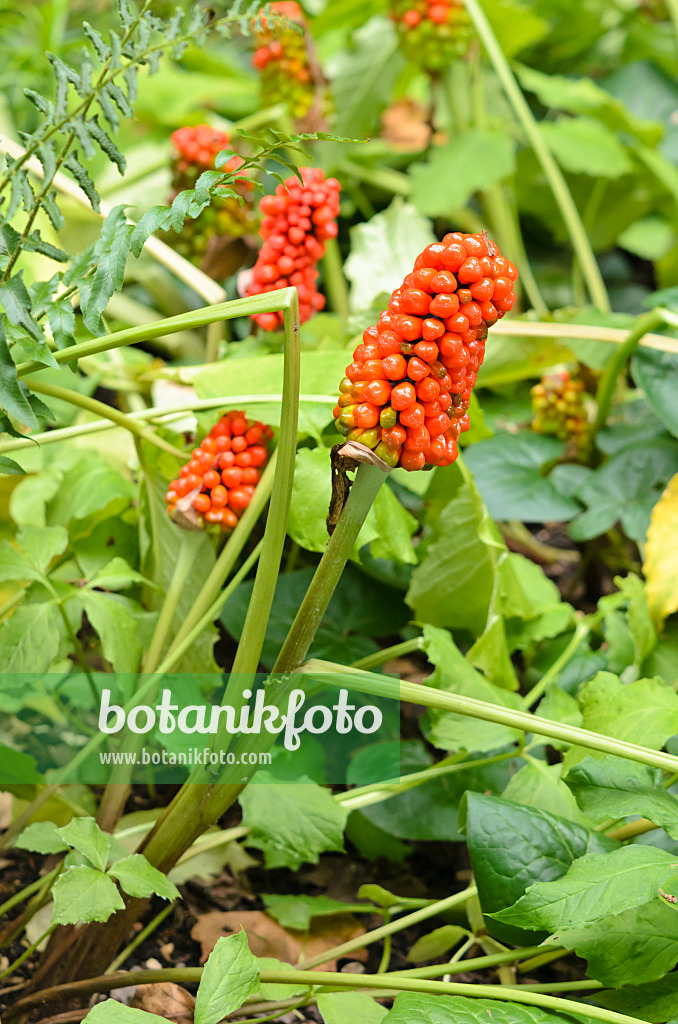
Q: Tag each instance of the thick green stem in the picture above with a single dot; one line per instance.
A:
(107, 411)
(552, 172)
(335, 282)
(415, 693)
(182, 568)
(368, 480)
(615, 365)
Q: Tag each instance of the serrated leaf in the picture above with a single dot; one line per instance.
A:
(108, 109)
(614, 787)
(30, 638)
(656, 1002)
(139, 878)
(644, 712)
(61, 320)
(292, 823)
(13, 394)
(35, 243)
(158, 218)
(661, 555)
(417, 1008)
(41, 837)
(180, 207)
(595, 887)
(72, 164)
(115, 627)
(112, 250)
(106, 144)
(16, 302)
(363, 77)
(230, 976)
(84, 894)
(85, 836)
(41, 544)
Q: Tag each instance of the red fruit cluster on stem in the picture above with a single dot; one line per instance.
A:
(406, 393)
(219, 479)
(297, 221)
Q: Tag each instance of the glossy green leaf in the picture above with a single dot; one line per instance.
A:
(657, 374)
(656, 1002)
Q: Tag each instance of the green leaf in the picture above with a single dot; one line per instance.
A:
(61, 320)
(383, 251)
(657, 374)
(155, 219)
(644, 712)
(509, 473)
(585, 146)
(17, 769)
(453, 674)
(614, 788)
(90, 490)
(363, 77)
(72, 164)
(348, 1007)
(9, 467)
(638, 616)
(273, 990)
(116, 627)
(453, 584)
(297, 912)
(473, 161)
(491, 653)
(516, 24)
(85, 836)
(626, 488)
(14, 565)
(651, 238)
(421, 1008)
(538, 784)
(112, 250)
(634, 947)
(117, 575)
(84, 894)
(13, 394)
(230, 976)
(656, 1002)
(139, 878)
(114, 1012)
(30, 638)
(16, 302)
(436, 943)
(596, 886)
(41, 837)
(293, 823)
(511, 846)
(42, 544)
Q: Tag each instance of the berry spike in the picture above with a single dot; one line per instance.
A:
(559, 409)
(289, 72)
(407, 392)
(216, 485)
(432, 33)
(297, 221)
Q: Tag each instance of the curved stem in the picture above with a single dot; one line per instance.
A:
(387, 653)
(580, 634)
(121, 419)
(552, 172)
(615, 365)
(182, 568)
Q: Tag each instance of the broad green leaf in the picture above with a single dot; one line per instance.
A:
(30, 637)
(650, 238)
(383, 251)
(511, 846)
(509, 473)
(14, 565)
(559, 706)
(297, 912)
(116, 627)
(630, 948)
(626, 488)
(516, 24)
(436, 943)
(596, 886)
(363, 77)
(17, 769)
(41, 544)
(91, 490)
(472, 161)
(116, 575)
(657, 374)
(453, 584)
(139, 878)
(538, 784)
(421, 1008)
(230, 976)
(85, 836)
(453, 674)
(114, 1012)
(349, 1007)
(585, 146)
(614, 788)
(41, 837)
(491, 653)
(661, 555)
(525, 591)
(387, 528)
(656, 1002)
(292, 823)
(84, 894)
(644, 712)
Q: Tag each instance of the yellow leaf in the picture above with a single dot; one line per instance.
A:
(661, 555)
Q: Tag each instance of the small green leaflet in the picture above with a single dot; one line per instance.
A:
(113, 1012)
(139, 878)
(349, 1007)
(230, 976)
(84, 894)
(85, 836)
(614, 787)
(41, 837)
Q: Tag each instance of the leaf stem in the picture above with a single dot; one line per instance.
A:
(335, 282)
(121, 419)
(388, 653)
(615, 365)
(552, 171)
(580, 634)
(141, 937)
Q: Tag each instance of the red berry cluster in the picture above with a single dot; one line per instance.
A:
(219, 480)
(406, 393)
(283, 61)
(432, 33)
(199, 147)
(297, 221)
